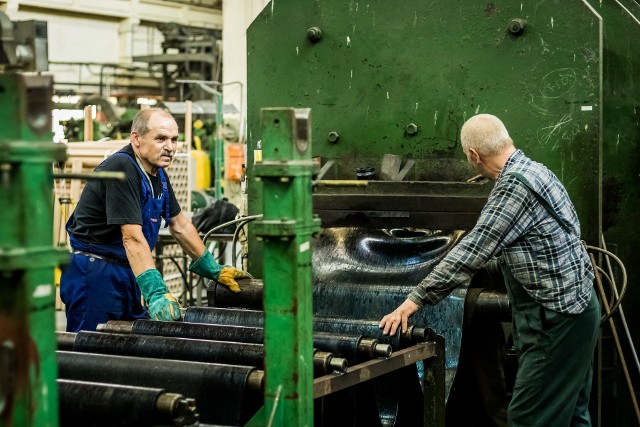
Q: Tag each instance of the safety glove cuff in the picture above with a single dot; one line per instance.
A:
(206, 266)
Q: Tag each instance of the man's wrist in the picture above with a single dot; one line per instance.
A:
(206, 266)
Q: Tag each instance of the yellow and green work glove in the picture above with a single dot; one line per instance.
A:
(206, 266)
(162, 305)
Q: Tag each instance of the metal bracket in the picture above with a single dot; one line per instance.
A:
(371, 369)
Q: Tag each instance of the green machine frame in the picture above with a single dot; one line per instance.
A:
(401, 78)
(287, 227)
(28, 372)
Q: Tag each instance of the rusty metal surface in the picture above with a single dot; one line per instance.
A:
(369, 370)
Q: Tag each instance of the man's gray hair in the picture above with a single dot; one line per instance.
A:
(486, 134)
(140, 123)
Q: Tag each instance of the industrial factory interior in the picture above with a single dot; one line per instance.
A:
(358, 213)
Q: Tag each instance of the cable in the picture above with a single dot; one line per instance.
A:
(614, 331)
(623, 318)
(611, 286)
(220, 226)
(236, 234)
(623, 271)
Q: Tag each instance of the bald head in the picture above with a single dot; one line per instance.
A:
(486, 134)
(140, 124)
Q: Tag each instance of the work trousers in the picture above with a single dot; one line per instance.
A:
(95, 291)
(555, 361)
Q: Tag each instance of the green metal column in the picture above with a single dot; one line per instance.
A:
(286, 229)
(28, 390)
(217, 150)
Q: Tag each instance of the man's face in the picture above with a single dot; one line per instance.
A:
(158, 146)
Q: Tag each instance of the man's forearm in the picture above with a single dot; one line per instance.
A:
(138, 253)
(187, 236)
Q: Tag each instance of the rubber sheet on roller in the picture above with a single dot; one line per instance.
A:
(365, 274)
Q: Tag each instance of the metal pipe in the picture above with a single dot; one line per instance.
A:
(197, 331)
(623, 318)
(341, 183)
(255, 318)
(614, 333)
(355, 348)
(106, 405)
(223, 392)
(117, 176)
(370, 329)
(493, 304)
(372, 369)
(197, 350)
(185, 330)
(225, 316)
(66, 340)
(325, 363)
(250, 297)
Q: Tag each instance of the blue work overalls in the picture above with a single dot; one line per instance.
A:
(99, 285)
(554, 352)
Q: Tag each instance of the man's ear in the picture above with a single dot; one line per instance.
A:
(134, 139)
(475, 156)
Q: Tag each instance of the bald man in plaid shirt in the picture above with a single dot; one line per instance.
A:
(528, 229)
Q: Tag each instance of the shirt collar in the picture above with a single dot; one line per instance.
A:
(513, 158)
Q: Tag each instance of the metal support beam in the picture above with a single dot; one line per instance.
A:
(372, 369)
(28, 389)
(286, 229)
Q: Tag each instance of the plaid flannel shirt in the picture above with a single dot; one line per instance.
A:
(552, 264)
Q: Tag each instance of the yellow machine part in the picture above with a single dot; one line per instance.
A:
(202, 168)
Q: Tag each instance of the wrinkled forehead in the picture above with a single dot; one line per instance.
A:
(160, 123)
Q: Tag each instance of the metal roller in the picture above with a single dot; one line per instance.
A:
(185, 330)
(107, 405)
(163, 347)
(226, 394)
(492, 304)
(326, 363)
(335, 325)
(147, 344)
(369, 328)
(354, 348)
(225, 316)
(250, 297)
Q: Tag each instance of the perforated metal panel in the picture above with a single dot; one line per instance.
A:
(179, 176)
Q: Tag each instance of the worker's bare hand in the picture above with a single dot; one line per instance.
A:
(398, 318)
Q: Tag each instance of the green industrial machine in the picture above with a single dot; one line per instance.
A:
(391, 83)
(287, 227)
(28, 390)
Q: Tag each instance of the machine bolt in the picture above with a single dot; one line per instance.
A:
(411, 129)
(314, 34)
(516, 26)
(333, 137)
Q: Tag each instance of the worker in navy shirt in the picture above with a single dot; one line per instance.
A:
(115, 227)
(529, 230)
